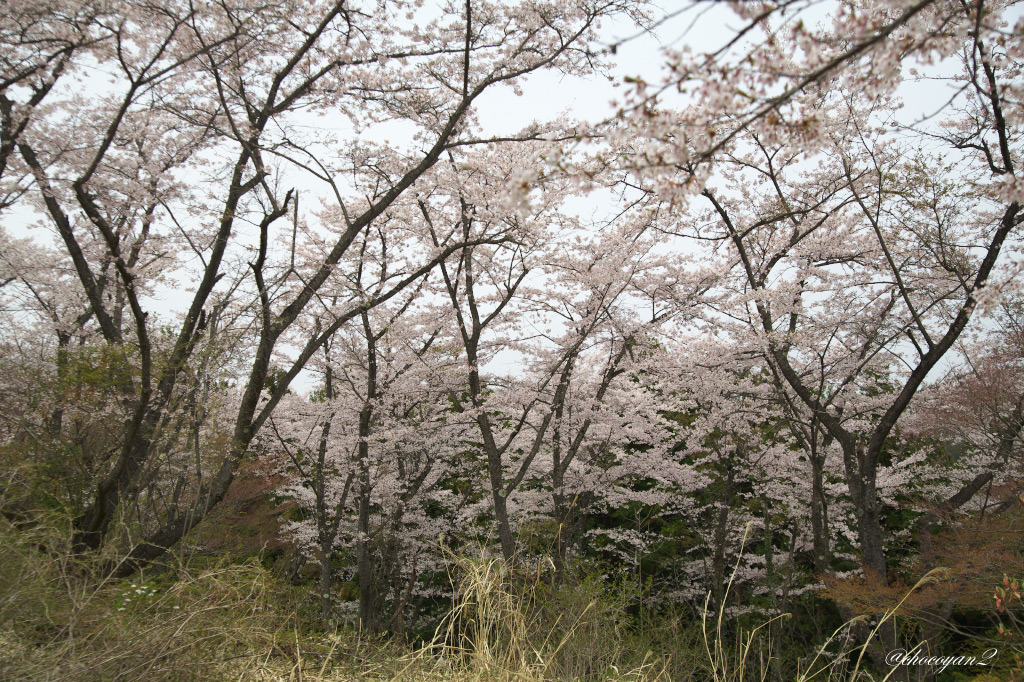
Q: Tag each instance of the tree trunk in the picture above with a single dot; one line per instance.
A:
(366, 579)
(720, 537)
(860, 477)
(325, 581)
(819, 510)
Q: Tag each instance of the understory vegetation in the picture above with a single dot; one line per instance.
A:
(231, 616)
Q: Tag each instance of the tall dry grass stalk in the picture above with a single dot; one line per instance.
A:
(495, 631)
(857, 673)
(731, 662)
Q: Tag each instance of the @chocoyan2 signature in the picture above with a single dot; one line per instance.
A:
(916, 657)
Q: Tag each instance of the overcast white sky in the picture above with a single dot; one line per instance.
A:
(703, 26)
(638, 53)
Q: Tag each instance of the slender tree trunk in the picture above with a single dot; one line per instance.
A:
(561, 512)
(322, 521)
(363, 559)
(505, 537)
(819, 509)
(720, 537)
(363, 546)
(562, 532)
(325, 579)
(55, 421)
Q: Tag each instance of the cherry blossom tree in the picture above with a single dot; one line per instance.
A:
(567, 303)
(368, 456)
(189, 143)
(861, 257)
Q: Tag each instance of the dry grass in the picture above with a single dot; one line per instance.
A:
(64, 621)
(497, 632)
